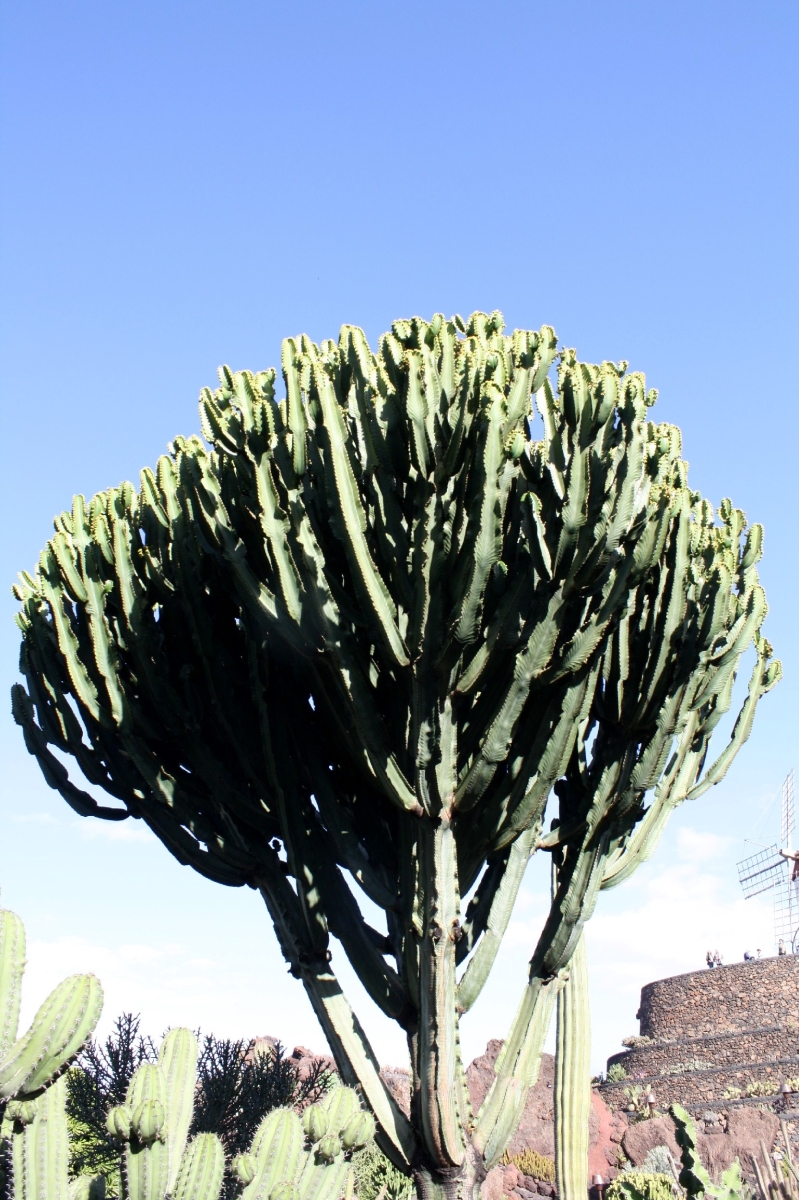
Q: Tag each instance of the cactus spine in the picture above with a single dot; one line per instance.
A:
(573, 1080)
(284, 1165)
(446, 605)
(154, 1125)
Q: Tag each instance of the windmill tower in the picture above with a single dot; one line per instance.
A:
(774, 868)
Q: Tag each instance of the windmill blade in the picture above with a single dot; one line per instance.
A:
(761, 872)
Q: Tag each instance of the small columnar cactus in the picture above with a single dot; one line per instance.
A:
(310, 1159)
(39, 1138)
(573, 1080)
(28, 1065)
(154, 1125)
(59, 1029)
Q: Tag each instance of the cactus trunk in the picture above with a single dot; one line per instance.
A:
(446, 605)
(573, 1080)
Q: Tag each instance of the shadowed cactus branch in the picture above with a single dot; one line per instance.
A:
(443, 606)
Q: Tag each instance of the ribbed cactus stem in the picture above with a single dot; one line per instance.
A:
(41, 1149)
(12, 965)
(154, 1122)
(59, 1029)
(573, 1080)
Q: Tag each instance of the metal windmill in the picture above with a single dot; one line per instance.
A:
(776, 868)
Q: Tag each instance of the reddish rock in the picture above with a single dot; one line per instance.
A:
(536, 1131)
(303, 1058)
(605, 1132)
(398, 1082)
(643, 1136)
(511, 1178)
(492, 1186)
(746, 1128)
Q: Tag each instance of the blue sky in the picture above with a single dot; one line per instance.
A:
(187, 183)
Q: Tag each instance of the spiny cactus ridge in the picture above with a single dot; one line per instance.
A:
(364, 639)
(154, 1125)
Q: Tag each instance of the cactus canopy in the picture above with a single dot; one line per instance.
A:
(439, 608)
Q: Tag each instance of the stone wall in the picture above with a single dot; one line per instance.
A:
(741, 996)
(714, 1030)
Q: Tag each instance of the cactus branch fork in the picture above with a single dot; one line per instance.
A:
(439, 608)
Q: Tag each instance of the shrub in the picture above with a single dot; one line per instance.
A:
(640, 1185)
(732, 1093)
(616, 1073)
(373, 1172)
(530, 1162)
(659, 1161)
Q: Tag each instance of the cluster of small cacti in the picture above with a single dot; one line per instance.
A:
(308, 1159)
(641, 1185)
(33, 1129)
(530, 1162)
(377, 1177)
(153, 1124)
(290, 1159)
(367, 635)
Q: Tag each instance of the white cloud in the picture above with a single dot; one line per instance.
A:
(33, 819)
(169, 984)
(116, 831)
(701, 847)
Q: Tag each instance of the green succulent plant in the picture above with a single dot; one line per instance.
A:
(641, 1185)
(308, 1159)
(153, 1124)
(572, 1096)
(442, 607)
(39, 1136)
(30, 1064)
(693, 1177)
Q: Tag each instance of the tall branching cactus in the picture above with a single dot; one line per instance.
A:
(30, 1064)
(366, 637)
(153, 1124)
